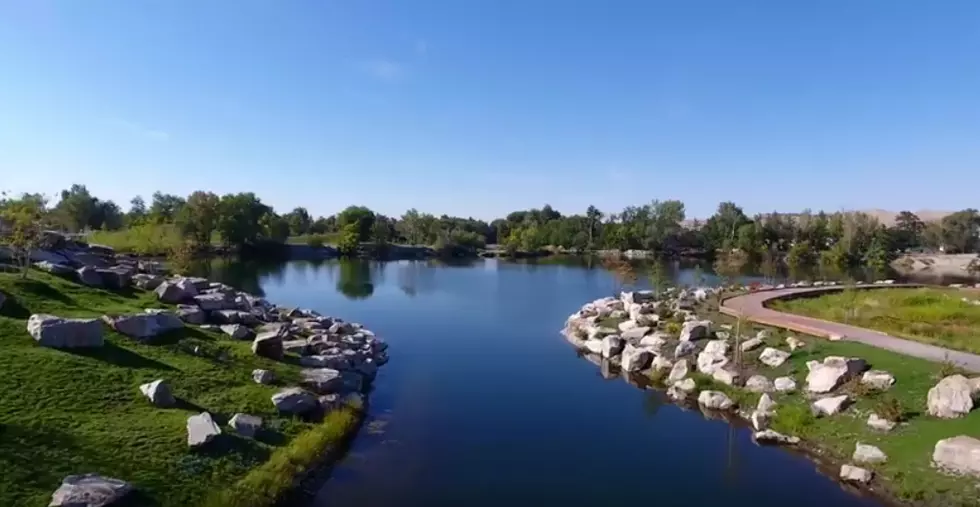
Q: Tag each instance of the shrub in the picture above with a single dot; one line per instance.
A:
(674, 328)
(794, 419)
(890, 408)
(316, 241)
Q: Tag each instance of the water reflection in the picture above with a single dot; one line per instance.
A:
(355, 280)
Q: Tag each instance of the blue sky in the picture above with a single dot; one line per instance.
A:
(481, 107)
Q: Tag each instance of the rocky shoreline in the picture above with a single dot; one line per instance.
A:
(665, 339)
(339, 359)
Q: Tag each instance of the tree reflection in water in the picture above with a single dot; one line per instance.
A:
(354, 279)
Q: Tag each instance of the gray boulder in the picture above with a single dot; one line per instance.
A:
(192, 314)
(158, 392)
(88, 275)
(864, 453)
(774, 437)
(268, 345)
(215, 302)
(322, 380)
(245, 425)
(752, 344)
(695, 330)
(264, 377)
(635, 359)
(54, 268)
(612, 345)
(831, 405)
(784, 384)
(146, 281)
(678, 371)
(201, 429)
(684, 349)
(237, 331)
(715, 400)
(773, 358)
(851, 473)
(57, 332)
(168, 292)
(89, 490)
(878, 379)
(960, 455)
(880, 423)
(294, 401)
(759, 384)
(144, 326)
(116, 277)
(832, 372)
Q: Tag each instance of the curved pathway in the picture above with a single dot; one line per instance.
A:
(752, 306)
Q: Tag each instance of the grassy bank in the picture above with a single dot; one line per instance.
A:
(146, 239)
(908, 474)
(81, 411)
(928, 315)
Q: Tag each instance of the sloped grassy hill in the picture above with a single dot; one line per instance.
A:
(80, 411)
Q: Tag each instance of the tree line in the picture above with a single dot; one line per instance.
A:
(839, 239)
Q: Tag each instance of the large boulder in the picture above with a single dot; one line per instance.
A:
(612, 345)
(169, 292)
(759, 384)
(751, 344)
(784, 384)
(684, 349)
(635, 334)
(146, 281)
(294, 401)
(960, 455)
(57, 332)
(717, 348)
(878, 379)
(192, 314)
(264, 377)
(678, 371)
(708, 363)
(214, 302)
(864, 453)
(831, 405)
(89, 490)
(715, 400)
(158, 392)
(695, 330)
(268, 345)
(116, 277)
(201, 429)
(832, 372)
(851, 473)
(55, 268)
(237, 331)
(144, 326)
(635, 359)
(245, 425)
(952, 397)
(88, 275)
(322, 380)
(594, 346)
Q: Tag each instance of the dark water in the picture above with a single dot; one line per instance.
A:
(485, 404)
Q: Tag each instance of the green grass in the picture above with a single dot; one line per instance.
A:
(908, 474)
(69, 412)
(145, 239)
(928, 315)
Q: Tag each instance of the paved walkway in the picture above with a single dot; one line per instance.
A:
(752, 307)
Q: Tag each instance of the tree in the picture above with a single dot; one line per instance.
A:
(721, 228)
(239, 216)
(800, 256)
(199, 217)
(164, 207)
(76, 208)
(349, 239)
(25, 220)
(594, 217)
(137, 211)
(274, 228)
(908, 230)
(359, 216)
(300, 221)
(960, 231)
(107, 215)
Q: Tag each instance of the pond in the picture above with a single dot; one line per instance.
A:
(485, 404)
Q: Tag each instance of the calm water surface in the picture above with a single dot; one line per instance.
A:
(485, 404)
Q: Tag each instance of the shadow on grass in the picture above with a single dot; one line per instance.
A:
(116, 355)
(31, 455)
(182, 404)
(137, 498)
(44, 291)
(271, 437)
(13, 309)
(249, 452)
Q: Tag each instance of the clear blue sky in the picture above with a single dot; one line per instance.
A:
(474, 107)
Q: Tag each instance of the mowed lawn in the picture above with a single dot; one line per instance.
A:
(72, 412)
(928, 315)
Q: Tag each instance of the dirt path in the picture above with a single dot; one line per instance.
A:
(752, 307)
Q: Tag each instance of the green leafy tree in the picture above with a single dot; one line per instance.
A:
(359, 216)
(274, 228)
(198, 219)
(165, 207)
(594, 217)
(239, 219)
(960, 231)
(800, 256)
(22, 224)
(76, 208)
(299, 221)
(349, 240)
(908, 230)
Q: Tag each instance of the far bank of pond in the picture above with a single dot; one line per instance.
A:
(485, 403)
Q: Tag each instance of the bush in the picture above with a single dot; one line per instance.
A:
(890, 408)
(316, 241)
(142, 239)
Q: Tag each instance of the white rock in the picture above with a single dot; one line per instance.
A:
(759, 420)
(612, 345)
(294, 401)
(676, 394)
(708, 363)
(952, 397)
(654, 342)
(758, 384)
(830, 405)
(245, 425)
(322, 380)
(864, 453)
(695, 330)
(687, 385)
(636, 333)
(661, 363)
(626, 325)
(635, 359)
(594, 346)
(144, 326)
(201, 429)
(880, 423)
(794, 343)
(716, 348)
(51, 331)
(784, 384)
(959, 455)
(684, 349)
(264, 377)
(715, 400)
(89, 490)
(878, 379)
(850, 473)
(773, 358)
(774, 437)
(766, 404)
(752, 344)
(237, 331)
(832, 372)
(158, 392)
(678, 372)
(725, 376)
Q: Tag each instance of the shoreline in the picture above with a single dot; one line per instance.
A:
(820, 443)
(332, 362)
